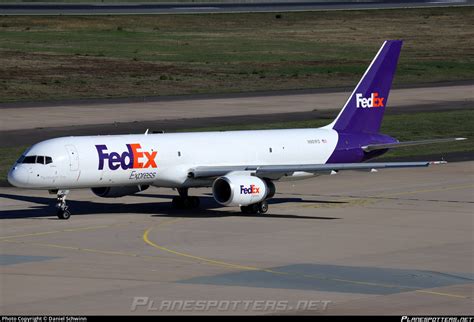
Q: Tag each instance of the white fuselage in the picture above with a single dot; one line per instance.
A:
(165, 159)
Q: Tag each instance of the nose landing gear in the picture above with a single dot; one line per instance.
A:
(62, 209)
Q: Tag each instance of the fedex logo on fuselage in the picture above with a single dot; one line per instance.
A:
(253, 189)
(373, 101)
(133, 158)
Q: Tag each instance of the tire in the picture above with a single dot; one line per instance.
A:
(64, 214)
(245, 209)
(263, 207)
(185, 203)
(177, 202)
(255, 208)
(195, 202)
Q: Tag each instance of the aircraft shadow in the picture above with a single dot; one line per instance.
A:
(276, 200)
(44, 207)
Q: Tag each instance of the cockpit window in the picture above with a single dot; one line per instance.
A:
(29, 159)
(40, 159)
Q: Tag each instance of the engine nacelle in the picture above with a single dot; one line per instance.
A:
(115, 192)
(241, 190)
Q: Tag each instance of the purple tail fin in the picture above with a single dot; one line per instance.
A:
(365, 107)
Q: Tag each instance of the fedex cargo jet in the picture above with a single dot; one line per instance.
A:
(240, 166)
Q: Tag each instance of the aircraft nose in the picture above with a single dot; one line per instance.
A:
(18, 177)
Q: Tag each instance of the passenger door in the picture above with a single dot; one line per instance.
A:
(73, 157)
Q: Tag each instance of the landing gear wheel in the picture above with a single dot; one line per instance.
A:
(250, 209)
(63, 214)
(62, 208)
(179, 202)
(262, 207)
(245, 209)
(256, 208)
(195, 202)
(188, 203)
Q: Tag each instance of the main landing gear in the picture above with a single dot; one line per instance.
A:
(62, 208)
(184, 201)
(256, 208)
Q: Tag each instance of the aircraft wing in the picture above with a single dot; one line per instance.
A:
(373, 147)
(278, 171)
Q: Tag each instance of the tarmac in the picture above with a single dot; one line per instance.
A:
(32, 8)
(26, 123)
(18, 116)
(398, 241)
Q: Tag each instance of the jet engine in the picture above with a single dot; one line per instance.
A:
(241, 190)
(115, 192)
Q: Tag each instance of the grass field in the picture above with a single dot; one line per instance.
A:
(53, 58)
(410, 126)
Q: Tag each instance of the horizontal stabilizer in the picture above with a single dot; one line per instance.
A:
(373, 147)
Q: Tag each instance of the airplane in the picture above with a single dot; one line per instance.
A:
(240, 166)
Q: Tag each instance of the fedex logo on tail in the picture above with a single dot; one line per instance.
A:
(253, 189)
(132, 158)
(373, 101)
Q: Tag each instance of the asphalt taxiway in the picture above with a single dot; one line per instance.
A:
(397, 241)
(32, 8)
(26, 124)
(18, 116)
